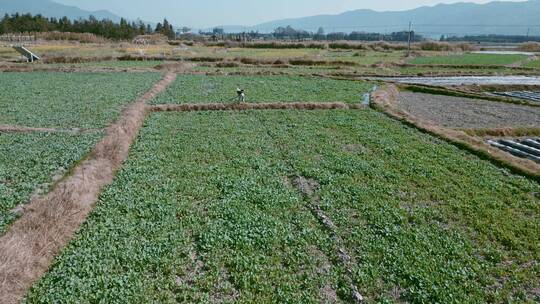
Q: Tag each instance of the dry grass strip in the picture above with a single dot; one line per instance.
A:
(48, 223)
(191, 107)
(24, 129)
(385, 99)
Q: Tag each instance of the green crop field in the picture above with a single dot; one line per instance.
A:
(29, 161)
(69, 100)
(205, 89)
(469, 59)
(533, 64)
(205, 210)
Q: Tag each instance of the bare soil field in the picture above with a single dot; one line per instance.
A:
(459, 112)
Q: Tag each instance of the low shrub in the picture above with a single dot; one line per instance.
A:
(227, 64)
(436, 46)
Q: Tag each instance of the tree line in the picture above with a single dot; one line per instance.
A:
(123, 30)
(492, 38)
(292, 34)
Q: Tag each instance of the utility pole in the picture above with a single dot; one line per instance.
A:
(409, 41)
(528, 31)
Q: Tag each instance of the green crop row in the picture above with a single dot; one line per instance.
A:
(204, 211)
(470, 59)
(206, 89)
(28, 162)
(69, 100)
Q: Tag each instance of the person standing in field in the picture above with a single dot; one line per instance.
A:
(241, 95)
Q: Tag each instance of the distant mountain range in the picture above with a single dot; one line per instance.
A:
(51, 9)
(508, 18)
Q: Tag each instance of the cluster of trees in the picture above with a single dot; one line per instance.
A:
(492, 38)
(166, 29)
(123, 30)
(363, 36)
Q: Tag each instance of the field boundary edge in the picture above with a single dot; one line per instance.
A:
(384, 100)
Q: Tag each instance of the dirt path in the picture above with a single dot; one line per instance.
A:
(458, 112)
(48, 223)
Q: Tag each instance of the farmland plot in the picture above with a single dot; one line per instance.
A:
(206, 209)
(69, 100)
(201, 212)
(28, 162)
(205, 89)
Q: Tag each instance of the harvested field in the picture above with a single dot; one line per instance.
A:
(398, 202)
(466, 113)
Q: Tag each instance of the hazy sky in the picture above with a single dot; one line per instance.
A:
(206, 13)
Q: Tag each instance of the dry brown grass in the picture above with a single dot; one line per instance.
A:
(176, 67)
(75, 59)
(13, 129)
(48, 223)
(385, 99)
(68, 36)
(445, 46)
(192, 107)
(27, 68)
(530, 47)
